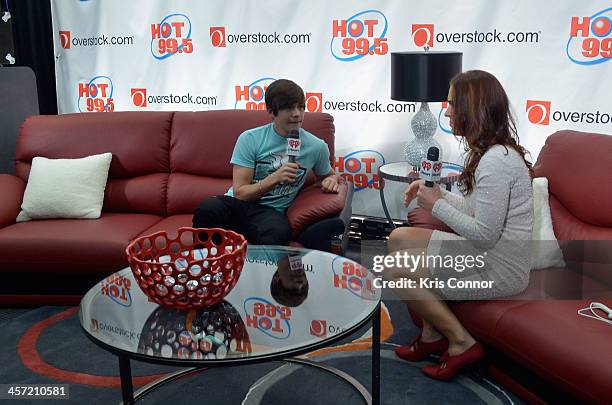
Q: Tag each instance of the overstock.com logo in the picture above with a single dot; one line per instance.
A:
(96, 95)
(171, 36)
(318, 328)
(314, 102)
(423, 35)
(538, 112)
(65, 39)
(139, 97)
(590, 39)
(359, 35)
(217, 37)
(321, 328)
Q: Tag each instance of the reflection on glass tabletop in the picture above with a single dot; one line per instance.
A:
(286, 299)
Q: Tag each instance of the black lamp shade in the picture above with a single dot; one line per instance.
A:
(423, 76)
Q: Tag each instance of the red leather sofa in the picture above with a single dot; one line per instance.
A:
(164, 164)
(537, 344)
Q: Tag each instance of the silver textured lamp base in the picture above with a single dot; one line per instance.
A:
(424, 127)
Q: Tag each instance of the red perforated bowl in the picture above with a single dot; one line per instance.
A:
(197, 269)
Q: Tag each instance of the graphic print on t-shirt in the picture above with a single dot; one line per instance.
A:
(269, 165)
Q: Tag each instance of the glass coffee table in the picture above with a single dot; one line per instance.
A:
(287, 302)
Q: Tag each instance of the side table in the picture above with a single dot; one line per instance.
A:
(404, 172)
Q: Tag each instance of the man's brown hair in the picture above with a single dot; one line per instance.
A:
(283, 93)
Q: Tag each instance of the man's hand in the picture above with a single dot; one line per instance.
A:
(330, 184)
(427, 196)
(286, 174)
(411, 192)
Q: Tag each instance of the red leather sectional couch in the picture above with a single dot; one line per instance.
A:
(537, 344)
(164, 164)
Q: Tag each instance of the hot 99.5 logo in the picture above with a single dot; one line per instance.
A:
(360, 168)
(96, 95)
(443, 121)
(171, 36)
(590, 39)
(359, 35)
(353, 277)
(272, 320)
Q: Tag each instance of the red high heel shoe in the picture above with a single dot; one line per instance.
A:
(450, 365)
(418, 350)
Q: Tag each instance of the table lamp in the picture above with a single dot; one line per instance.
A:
(422, 76)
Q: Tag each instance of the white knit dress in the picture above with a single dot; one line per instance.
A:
(494, 221)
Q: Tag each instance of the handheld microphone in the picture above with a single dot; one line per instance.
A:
(295, 261)
(293, 145)
(431, 167)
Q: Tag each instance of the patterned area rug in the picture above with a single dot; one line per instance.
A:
(47, 346)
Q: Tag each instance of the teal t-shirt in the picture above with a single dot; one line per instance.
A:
(265, 151)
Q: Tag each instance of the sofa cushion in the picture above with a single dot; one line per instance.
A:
(201, 147)
(572, 282)
(568, 227)
(140, 195)
(568, 350)
(578, 166)
(65, 188)
(481, 317)
(187, 191)
(78, 135)
(545, 253)
(169, 224)
(548, 337)
(70, 245)
(202, 142)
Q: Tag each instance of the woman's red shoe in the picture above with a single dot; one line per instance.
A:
(419, 350)
(450, 365)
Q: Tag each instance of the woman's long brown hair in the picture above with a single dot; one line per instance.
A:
(483, 118)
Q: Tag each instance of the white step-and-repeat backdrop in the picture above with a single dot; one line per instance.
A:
(145, 55)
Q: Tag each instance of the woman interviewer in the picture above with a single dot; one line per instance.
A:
(493, 222)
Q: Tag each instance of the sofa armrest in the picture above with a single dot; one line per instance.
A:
(11, 196)
(320, 234)
(312, 205)
(421, 218)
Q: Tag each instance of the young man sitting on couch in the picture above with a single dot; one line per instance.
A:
(265, 183)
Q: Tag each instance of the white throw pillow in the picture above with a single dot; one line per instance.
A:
(546, 253)
(65, 188)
